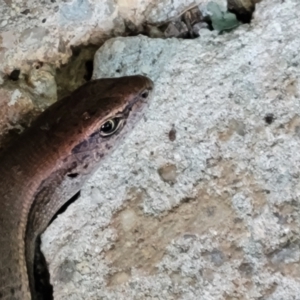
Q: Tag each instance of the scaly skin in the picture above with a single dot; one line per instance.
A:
(50, 161)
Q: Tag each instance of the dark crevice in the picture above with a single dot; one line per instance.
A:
(65, 206)
(72, 175)
(244, 13)
(75, 51)
(82, 62)
(14, 75)
(89, 67)
(43, 287)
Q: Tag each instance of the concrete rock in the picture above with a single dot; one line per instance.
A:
(32, 30)
(228, 227)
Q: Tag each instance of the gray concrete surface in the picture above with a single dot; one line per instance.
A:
(213, 214)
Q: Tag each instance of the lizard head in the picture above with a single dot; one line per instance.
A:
(118, 102)
(88, 124)
(114, 107)
(95, 115)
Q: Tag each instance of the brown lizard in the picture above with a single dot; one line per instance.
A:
(50, 161)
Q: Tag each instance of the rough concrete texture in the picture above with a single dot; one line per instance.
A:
(202, 201)
(45, 30)
(36, 37)
(21, 100)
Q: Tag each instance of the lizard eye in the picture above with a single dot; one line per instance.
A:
(110, 127)
(145, 94)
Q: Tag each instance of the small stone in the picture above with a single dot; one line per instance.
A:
(168, 173)
(128, 219)
(3, 23)
(119, 278)
(172, 134)
(25, 12)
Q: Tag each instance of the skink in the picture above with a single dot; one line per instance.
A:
(50, 161)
